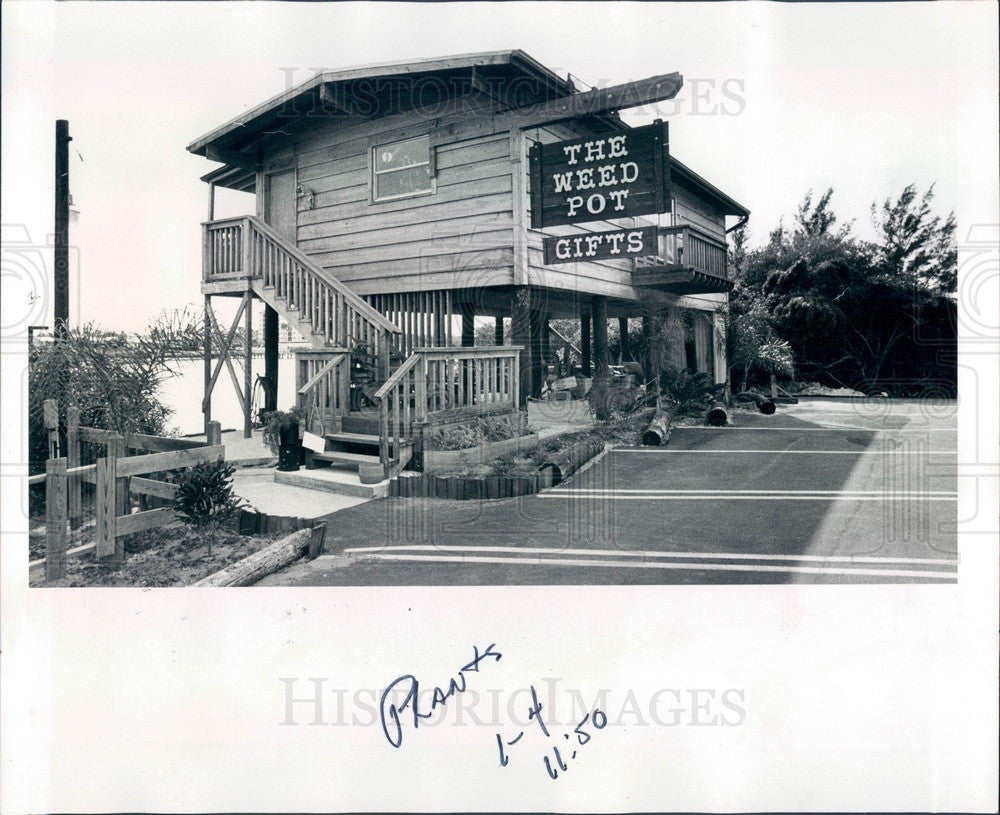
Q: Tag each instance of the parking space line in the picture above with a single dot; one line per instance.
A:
(747, 495)
(689, 566)
(661, 451)
(737, 497)
(834, 429)
(648, 553)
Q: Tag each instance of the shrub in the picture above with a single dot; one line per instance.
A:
(112, 378)
(689, 391)
(205, 497)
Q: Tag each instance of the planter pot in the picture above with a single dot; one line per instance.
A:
(289, 449)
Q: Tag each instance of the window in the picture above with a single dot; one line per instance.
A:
(402, 169)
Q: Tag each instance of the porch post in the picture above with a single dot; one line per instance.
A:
(248, 368)
(601, 386)
(537, 351)
(271, 358)
(468, 325)
(623, 347)
(647, 351)
(520, 334)
(207, 393)
(498, 332)
(600, 314)
(585, 343)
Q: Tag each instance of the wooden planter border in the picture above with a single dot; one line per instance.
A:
(491, 487)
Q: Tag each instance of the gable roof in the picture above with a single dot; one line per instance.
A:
(221, 143)
(253, 122)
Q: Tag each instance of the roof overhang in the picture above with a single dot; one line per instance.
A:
(323, 89)
(686, 176)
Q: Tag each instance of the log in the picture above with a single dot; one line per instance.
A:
(658, 431)
(764, 404)
(563, 464)
(717, 415)
(270, 559)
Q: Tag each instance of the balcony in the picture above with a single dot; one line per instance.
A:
(689, 261)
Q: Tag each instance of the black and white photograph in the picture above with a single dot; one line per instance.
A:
(595, 401)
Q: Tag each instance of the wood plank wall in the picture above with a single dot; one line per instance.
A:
(421, 243)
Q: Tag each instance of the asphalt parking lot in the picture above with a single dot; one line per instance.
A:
(832, 492)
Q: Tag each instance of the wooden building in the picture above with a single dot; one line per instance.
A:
(393, 198)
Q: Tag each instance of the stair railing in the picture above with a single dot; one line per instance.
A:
(400, 401)
(439, 383)
(248, 248)
(326, 392)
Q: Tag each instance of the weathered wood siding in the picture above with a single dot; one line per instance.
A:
(689, 208)
(461, 233)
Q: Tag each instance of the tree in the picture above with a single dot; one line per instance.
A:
(853, 313)
(914, 244)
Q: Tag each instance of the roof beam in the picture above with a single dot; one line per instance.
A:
(598, 101)
(231, 157)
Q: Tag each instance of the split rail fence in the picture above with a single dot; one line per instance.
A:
(115, 475)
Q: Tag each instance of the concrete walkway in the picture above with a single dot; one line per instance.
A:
(258, 487)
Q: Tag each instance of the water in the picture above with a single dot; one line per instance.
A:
(183, 394)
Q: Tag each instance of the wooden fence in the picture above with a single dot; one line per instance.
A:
(116, 476)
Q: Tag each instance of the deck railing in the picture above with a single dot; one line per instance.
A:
(325, 391)
(445, 382)
(687, 246)
(248, 248)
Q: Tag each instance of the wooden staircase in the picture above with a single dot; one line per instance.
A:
(244, 255)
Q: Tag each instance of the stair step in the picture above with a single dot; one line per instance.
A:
(365, 423)
(337, 457)
(354, 438)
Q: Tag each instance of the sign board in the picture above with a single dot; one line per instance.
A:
(313, 442)
(613, 244)
(622, 175)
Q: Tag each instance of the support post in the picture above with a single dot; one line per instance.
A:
(74, 502)
(50, 416)
(601, 387)
(60, 250)
(647, 354)
(585, 343)
(624, 354)
(546, 340)
(248, 366)
(106, 506)
(271, 358)
(213, 435)
(600, 314)
(537, 352)
(55, 518)
(383, 353)
(123, 503)
(468, 325)
(207, 403)
(498, 332)
(520, 334)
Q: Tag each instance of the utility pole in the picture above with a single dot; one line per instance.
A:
(60, 287)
